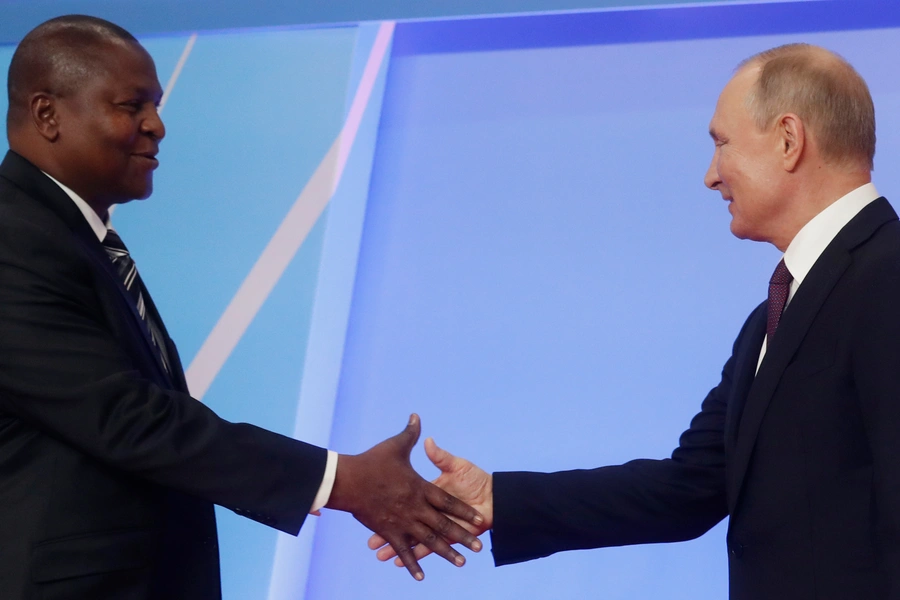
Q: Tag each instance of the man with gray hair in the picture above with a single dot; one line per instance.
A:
(799, 443)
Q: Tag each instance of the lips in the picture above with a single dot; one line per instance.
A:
(149, 157)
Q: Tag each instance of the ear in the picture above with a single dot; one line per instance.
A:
(791, 140)
(44, 115)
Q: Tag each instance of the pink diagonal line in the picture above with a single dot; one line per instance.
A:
(363, 93)
(289, 236)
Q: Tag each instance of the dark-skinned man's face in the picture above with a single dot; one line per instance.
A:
(109, 128)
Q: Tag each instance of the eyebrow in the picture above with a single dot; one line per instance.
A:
(148, 94)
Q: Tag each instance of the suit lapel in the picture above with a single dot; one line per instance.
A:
(38, 186)
(746, 358)
(177, 370)
(795, 323)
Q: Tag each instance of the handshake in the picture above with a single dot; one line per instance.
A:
(412, 518)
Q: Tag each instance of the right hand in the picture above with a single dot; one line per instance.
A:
(459, 478)
(381, 489)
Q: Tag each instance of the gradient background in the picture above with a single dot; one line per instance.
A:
(520, 248)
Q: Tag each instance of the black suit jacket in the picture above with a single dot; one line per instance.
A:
(108, 468)
(804, 455)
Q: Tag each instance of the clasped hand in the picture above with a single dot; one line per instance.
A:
(382, 490)
(468, 483)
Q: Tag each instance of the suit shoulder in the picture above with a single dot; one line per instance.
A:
(875, 264)
(883, 247)
(25, 222)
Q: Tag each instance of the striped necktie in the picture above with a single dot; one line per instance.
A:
(131, 279)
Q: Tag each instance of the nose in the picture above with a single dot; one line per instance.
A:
(153, 125)
(712, 179)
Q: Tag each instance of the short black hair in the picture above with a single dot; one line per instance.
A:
(57, 56)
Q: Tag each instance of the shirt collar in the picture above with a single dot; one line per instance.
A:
(809, 243)
(93, 219)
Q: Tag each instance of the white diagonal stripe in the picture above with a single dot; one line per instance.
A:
(289, 236)
(129, 276)
(170, 85)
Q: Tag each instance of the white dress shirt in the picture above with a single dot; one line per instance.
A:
(100, 228)
(811, 241)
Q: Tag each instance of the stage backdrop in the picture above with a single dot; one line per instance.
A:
(498, 223)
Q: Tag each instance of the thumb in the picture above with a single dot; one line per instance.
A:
(442, 459)
(410, 435)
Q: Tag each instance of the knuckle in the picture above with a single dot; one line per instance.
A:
(449, 503)
(445, 526)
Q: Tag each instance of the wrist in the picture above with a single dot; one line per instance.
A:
(344, 489)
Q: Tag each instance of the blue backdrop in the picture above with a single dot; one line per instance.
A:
(540, 272)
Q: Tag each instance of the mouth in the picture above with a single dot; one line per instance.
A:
(149, 157)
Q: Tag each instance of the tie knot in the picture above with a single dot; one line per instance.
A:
(781, 276)
(114, 243)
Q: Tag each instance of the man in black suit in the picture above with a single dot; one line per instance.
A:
(799, 443)
(108, 468)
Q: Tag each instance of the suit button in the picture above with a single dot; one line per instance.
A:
(737, 550)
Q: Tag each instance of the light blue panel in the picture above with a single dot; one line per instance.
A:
(323, 359)
(251, 117)
(544, 278)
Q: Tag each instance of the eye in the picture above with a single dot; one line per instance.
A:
(131, 105)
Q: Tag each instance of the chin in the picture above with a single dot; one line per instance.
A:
(143, 192)
(736, 229)
(745, 233)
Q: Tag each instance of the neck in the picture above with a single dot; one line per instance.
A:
(41, 156)
(814, 198)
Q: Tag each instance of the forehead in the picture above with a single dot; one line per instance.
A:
(731, 105)
(122, 64)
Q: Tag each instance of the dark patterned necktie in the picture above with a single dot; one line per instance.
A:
(779, 288)
(131, 279)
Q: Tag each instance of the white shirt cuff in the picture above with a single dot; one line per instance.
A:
(327, 482)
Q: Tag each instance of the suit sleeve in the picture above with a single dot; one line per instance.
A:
(63, 372)
(642, 501)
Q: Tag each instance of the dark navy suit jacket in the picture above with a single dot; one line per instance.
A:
(108, 468)
(803, 455)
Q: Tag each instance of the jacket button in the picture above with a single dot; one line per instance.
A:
(737, 550)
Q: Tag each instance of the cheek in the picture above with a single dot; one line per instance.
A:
(728, 173)
(727, 164)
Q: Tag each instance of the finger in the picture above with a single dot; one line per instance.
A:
(434, 539)
(421, 552)
(451, 532)
(317, 513)
(450, 505)
(386, 553)
(442, 459)
(406, 554)
(376, 542)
